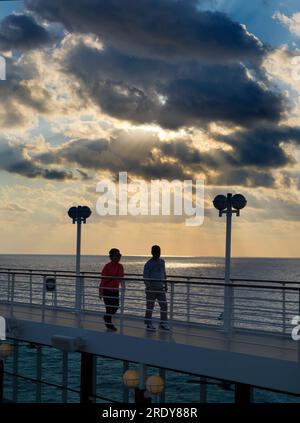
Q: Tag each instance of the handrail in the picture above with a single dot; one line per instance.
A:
(170, 281)
(83, 272)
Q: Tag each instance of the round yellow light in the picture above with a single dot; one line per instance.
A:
(155, 384)
(5, 350)
(131, 378)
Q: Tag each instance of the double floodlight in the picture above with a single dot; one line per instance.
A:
(79, 214)
(223, 203)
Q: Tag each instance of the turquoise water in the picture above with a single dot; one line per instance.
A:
(179, 387)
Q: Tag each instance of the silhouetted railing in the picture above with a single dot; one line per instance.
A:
(257, 305)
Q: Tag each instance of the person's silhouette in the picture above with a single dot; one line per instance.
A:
(156, 289)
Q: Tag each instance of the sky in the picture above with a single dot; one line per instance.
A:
(162, 89)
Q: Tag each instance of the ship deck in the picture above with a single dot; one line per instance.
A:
(259, 359)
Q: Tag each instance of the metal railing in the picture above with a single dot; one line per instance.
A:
(256, 306)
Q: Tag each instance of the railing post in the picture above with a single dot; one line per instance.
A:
(188, 293)
(30, 287)
(283, 309)
(82, 290)
(122, 305)
(12, 295)
(44, 299)
(8, 285)
(54, 293)
(172, 302)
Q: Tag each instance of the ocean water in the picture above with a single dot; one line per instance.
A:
(180, 387)
(256, 268)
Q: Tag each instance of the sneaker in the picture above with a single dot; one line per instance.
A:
(164, 326)
(111, 328)
(150, 327)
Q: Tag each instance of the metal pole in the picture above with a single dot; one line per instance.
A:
(203, 390)
(30, 286)
(172, 303)
(12, 293)
(122, 306)
(227, 290)
(78, 254)
(143, 373)
(38, 392)
(283, 309)
(188, 295)
(162, 396)
(86, 378)
(243, 393)
(65, 369)
(15, 370)
(44, 299)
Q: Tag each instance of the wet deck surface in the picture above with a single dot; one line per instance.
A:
(255, 344)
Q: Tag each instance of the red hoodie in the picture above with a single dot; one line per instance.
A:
(111, 269)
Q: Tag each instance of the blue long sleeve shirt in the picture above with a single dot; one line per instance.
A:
(155, 269)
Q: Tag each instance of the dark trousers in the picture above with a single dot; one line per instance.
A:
(151, 297)
(111, 301)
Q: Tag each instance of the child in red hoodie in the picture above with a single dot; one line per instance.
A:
(109, 287)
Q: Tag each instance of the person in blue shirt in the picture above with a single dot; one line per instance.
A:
(156, 289)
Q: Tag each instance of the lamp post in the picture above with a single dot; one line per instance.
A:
(5, 351)
(79, 215)
(228, 205)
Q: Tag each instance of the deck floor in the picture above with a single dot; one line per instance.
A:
(250, 343)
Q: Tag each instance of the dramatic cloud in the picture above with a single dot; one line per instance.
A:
(13, 159)
(176, 159)
(120, 153)
(22, 32)
(172, 95)
(168, 29)
(157, 62)
(262, 147)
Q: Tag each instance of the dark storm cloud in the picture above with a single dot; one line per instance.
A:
(261, 147)
(168, 29)
(14, 160)
(22, 32)
(243, 177)
(167, 63)
(138, 76)
(172, 95)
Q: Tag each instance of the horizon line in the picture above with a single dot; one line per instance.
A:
(146, 255)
